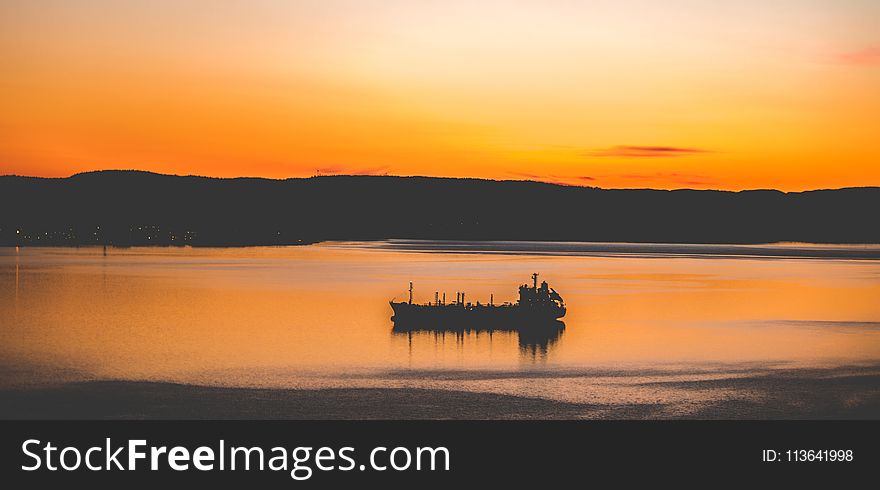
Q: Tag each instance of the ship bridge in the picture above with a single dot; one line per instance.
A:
(535, 295)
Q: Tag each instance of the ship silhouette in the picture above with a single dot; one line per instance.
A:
(538, 307)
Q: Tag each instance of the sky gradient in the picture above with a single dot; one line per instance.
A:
(778, 94)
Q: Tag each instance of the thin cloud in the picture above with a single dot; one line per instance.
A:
(553, 179)
(674, 177)
(371, 171)
(328, 170)
(325, 171)
(527, 175)
(677, 178)
(864, 57)
(645, 151)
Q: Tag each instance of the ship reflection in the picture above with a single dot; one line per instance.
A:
(535, 339)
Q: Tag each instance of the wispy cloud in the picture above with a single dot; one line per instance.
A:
(673, 177)
(554, 179)
(645, 151)
(634, 179)
(869, 56)
(328, 170)
(370, 171)
(351, 171)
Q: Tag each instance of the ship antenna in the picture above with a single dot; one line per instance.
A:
(410, 292)
(535, 280)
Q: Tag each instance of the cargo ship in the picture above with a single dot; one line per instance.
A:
(536, 305)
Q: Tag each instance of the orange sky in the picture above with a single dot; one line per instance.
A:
(625, 93)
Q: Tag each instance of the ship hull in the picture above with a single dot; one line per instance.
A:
(474, 315)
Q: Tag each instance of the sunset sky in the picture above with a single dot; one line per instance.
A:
(614, 93)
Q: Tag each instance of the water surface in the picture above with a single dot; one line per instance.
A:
(643, 320)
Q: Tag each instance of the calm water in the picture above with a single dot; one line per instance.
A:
(318, 315)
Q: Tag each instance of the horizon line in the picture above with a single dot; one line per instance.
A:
(387, 175)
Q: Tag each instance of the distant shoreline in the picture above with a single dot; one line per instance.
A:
(560, 248)
(417, 176)
(128, 208)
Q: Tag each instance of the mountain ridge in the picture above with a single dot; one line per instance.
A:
(116, 207)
